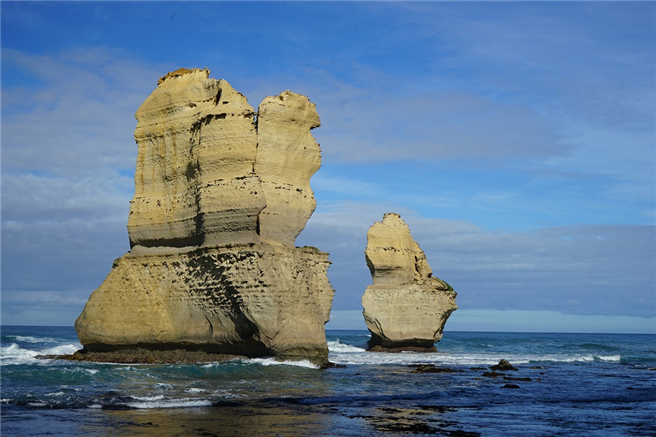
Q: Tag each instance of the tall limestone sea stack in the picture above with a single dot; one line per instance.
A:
(221, 193)
(406, 307)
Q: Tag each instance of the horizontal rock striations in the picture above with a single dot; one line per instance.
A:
(209, 173)
(406, 307)
(221, 193)
(249, 300)
(190, 170)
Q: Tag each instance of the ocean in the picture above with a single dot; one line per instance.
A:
(565, 384)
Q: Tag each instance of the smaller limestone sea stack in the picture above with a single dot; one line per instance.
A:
(406, 307)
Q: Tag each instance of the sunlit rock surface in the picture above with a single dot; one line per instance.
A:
(221, 193)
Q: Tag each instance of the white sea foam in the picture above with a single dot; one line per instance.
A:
(351, 355)
(338, 347)
(78, 369)
(170, 403)
(30, 339)
(273, 362)
(14, 354)
(563, 358)
(227, 394)
(356, 356)
(195, 390)
(610, 358)
(37, 404)
(148, 398)
(61, 350)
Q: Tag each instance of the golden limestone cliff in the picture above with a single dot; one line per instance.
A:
(406, 307)
(221, 193)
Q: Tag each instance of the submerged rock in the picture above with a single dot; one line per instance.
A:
(221, 193)
(406, 306)
(431, 368)
(503, 365)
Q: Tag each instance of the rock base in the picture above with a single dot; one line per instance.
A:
(252, 300)
(146, 356)
(379, 348)
(407, 316)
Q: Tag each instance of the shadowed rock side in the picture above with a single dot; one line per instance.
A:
(406, 307)
(220, 197)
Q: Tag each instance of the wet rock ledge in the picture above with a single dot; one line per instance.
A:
(147, 356)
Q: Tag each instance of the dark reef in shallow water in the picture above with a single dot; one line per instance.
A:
(147, 356)
(373, 347)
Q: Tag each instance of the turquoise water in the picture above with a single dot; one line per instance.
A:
(566, 384)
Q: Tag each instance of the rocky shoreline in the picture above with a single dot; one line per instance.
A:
(147, 356)
(396, 350)
(173, 356)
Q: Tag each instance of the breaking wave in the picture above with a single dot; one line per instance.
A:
(15, 355)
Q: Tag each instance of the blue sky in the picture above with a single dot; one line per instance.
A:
(517, 140)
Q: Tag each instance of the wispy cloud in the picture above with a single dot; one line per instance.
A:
(67, 170)
(76, 117)
(392, 125)
(581, 269)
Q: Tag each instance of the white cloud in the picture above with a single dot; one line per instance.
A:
(77, 116)
(517, 321)
(389, 122)
(68, 158)
(578, 269)
(28, 197)
(575, 81)
(546, 321)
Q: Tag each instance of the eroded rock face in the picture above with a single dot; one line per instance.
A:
(253, 301)
(209, 173)
(191, 169)
(406, 307)
(221, 193)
